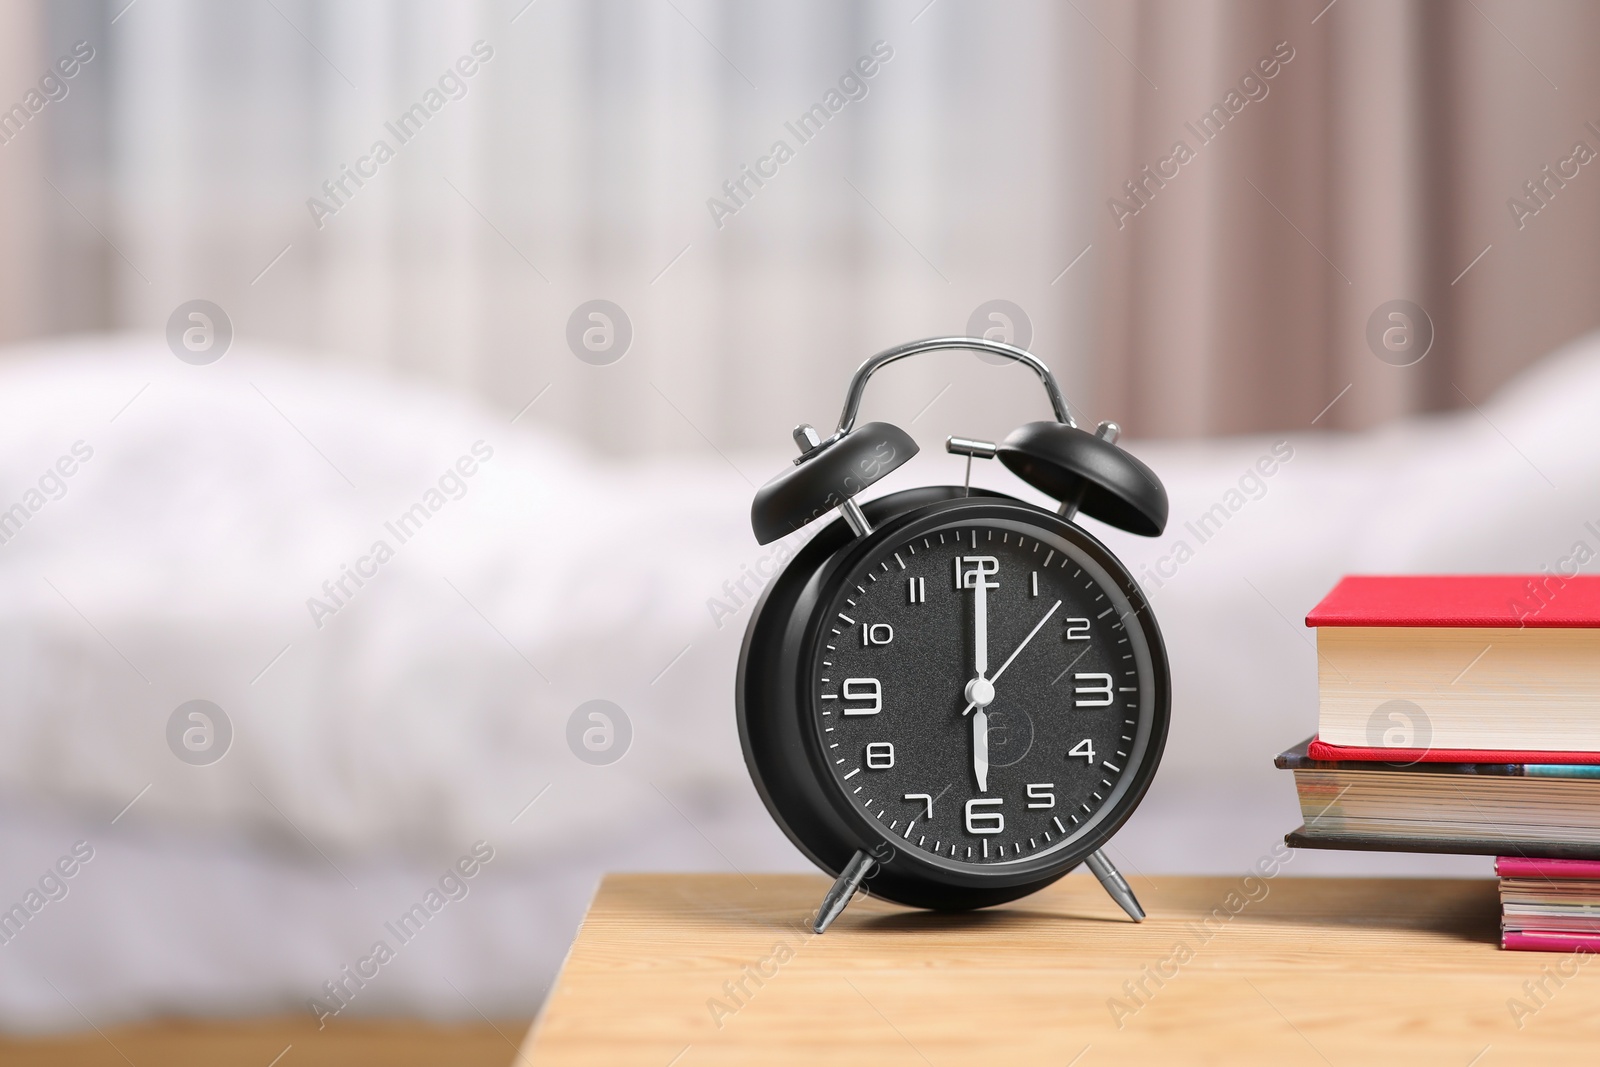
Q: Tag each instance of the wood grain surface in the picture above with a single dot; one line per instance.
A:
(1224, 971)
(286, 1042)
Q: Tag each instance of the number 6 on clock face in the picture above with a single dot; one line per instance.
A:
(982, 821)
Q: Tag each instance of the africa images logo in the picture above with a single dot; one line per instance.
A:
(853, 85)
(340, 590)
(451, 85)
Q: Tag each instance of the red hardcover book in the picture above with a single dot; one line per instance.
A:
(1523, 867)
(1474, 668)
(1547, 941)
(1321, 750)
(1460, 601)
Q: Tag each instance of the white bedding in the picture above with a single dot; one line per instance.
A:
(427, 711)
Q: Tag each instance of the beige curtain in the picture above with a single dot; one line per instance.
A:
(22, 186)
(1379, 163)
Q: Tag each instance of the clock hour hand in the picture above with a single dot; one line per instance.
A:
(980, 749)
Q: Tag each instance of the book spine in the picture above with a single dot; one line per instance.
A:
(1530, 763)
(1523, 867)
(1518, 941)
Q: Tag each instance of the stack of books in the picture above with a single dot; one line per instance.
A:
(1549, 905)
(1462, 714)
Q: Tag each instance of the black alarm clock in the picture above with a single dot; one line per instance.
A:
(953, 692)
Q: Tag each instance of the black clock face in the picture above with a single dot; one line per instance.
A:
(983, 692)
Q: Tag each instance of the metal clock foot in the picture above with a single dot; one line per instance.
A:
(850, 879)
(1116, 885)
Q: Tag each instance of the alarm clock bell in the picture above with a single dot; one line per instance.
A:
(1083, 471)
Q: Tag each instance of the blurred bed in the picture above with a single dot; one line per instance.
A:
(398, 716)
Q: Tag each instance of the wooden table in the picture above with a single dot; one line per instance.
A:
(719, 969)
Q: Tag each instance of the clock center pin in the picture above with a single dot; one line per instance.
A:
(980, 691)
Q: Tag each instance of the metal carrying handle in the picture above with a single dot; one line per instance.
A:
(858, 383)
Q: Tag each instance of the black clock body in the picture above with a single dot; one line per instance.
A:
(857, 729)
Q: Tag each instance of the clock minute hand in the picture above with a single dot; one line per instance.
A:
(1036, 628)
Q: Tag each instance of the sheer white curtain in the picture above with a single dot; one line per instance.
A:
(578, 165)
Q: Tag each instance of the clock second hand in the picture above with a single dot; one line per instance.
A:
(1036, 628)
